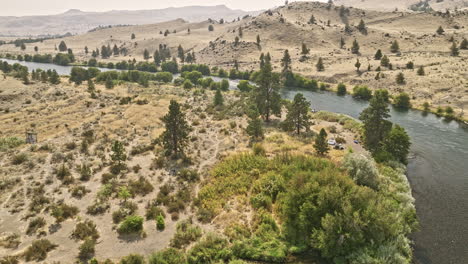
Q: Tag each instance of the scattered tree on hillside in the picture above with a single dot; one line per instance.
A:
(305, 51)
(118, 154)
(254, 127)
(181, 53)
(236, 41)
(385, 62)
(258, 40)
(133, 36)
(157, 58)
(397, 143)
(321, 144)
(464, 44)
(320, 67)
(109, 82)
(266, 93)
(395, 47)
(116, 50)
(362, 27)
(62, 46)
(376, 127)
(218, 98)
(23, 46)
(241, 34)
(341, 89)
(298, 114)
(286, 63)
(378, 55)
(355, 47)
(175, 137)
(312, 19)
(421, 71)
(342, 43)
(36, 49)
(146, 55)
(454, 50)
(357, 65)
(402, 101)
(400, 79)
(410, 65)
(210, 28)
(86, 51)
(440, 30)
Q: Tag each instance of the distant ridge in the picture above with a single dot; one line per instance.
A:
(77, 21)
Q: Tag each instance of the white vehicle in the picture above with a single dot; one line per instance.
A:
(332, 142)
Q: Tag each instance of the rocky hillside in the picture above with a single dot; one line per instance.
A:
(437, 5)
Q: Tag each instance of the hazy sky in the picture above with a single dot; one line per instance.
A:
(45, 7)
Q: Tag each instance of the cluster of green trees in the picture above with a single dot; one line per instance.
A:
(63, 59)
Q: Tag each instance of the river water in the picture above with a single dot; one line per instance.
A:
(437, 171)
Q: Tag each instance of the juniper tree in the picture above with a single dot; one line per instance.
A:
(395, 47)
(378, 55)
(341, 89)
(362, 27)
(357, 65)
(23, 46)
(385, 61)
(118, 154)
(410, 65)
(210, 28)
(321, 145)
(304, 50)
(109, 82)
(375, 125)
(175, 138)
(312, 19)
(241, 34)
(133, 36)
(421, 71)
(286, 62)
(320, 67)
(258, 40)
(86, 50)
(146, 55)
(454, 50)
(400, 79)
(157, 58)
(298, 114)
(440, 30)
(91, 87)
(464, 44)
(62, 46)
(236, 41)
(265, 94)
(116, 50)
(36, 49)
(355, 47)
(181, 53)
(342, 42)
(218, 98)
(254, 127)
(54, 78)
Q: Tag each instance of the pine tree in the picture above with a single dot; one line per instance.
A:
(258, 40)
(181, 53)
(254, 127)
(376, 127)
(305, 51)
(23, 46)
(312, 19)
(236, 41)
(266, 93)
(464, 44)
(116, 50)
(454, 50)
(62, 46)
(421, 71)
(118, 153)
(378, 55)
(109, 82)
(357, 65)
(397, 144)
(355, 47)
(395, 47)
(218, 98)
(440, 30)
(91, 85)
(210, 28)
(342, 42)
(385, 62)
(146, 54)
(400, 79)
(86, 50)
(124, 193)
(36, 49)
(286, 62)
(298, 114)
(175, 137)
(133, 36)
(410, 65)
(241, 34)
(157, 58)
(54, 78)
(321, 145)
(320, 67)
(362, 27)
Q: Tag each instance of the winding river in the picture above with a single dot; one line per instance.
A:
(437, 171)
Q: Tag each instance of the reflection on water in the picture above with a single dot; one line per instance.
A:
(437, 171)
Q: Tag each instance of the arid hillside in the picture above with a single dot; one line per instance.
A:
(329, 36)
(436, 5)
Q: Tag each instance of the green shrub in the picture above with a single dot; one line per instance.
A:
(141, 186)
(38, 250)
(341, 89)
(127, 209)
(131, 224)
(153, 211)
(167, 256)
(362, 92)
(62, 212)
(402, 101)
(186, 233)
(133, 259)
(210, 249)
(19, 158)
(7, 143)
(188, 175)
(86, 249)
(84, 230)
(160, 225)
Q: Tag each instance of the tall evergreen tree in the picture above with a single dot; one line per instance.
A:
(397, 144)
(440, 30)
(254, 127)
(421, 71)
(357, 65)
(395, 47)
(86, 50)
(286, 62)
(181, 53)
(266, 93)
(305, 51)
(321, 145)
(241, 34)
(157, 58)
(175, 137)
(385, 61)
(376, 127)
(62, 46)
(319, 65)
(355, 47)
(258, 40)
(133, 36)
(378, 55)
(146, 55)
(118, 152)
(116, 50)
(342, 42)
(454, 50)
(54, 78)
(362, 27)
(218, 98)
(298, 114)
(109, 82)
(464, 44)
(312, 19)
